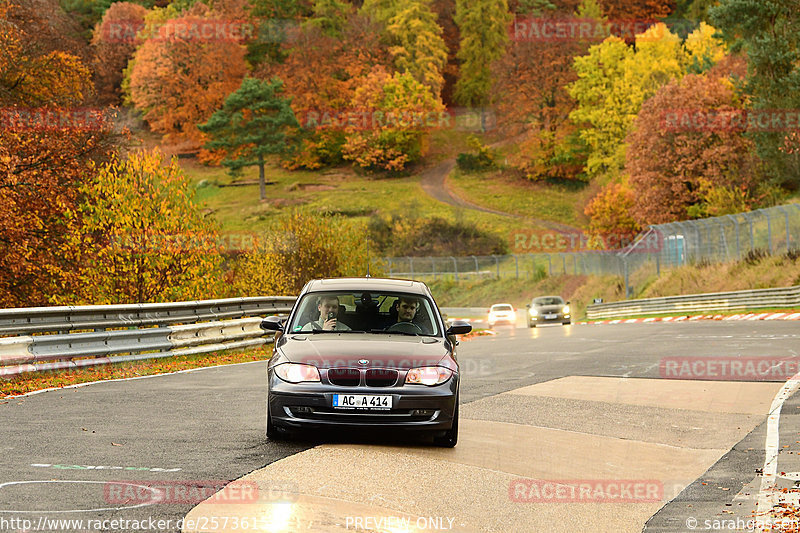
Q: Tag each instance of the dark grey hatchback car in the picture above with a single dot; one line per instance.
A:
(366, 353)
(548, 310)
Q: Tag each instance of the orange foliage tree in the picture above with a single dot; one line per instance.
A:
(686, 145)
(322, 73)
(610, 214)
(113, 44)
(178, 81)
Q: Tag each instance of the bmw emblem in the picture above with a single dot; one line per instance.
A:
(363, 362)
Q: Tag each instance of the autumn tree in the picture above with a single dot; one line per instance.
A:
(768, 32)
(113, 44)
(44, 156)
(141, 236)
(330, 16)
(178, 82)
(610, 216)
(613, 81)
(532, 100)
(686, 145)
(401, 111)
(304, 246)
(31, 76)
(251, 126)
(483, 25)
(321, 74)
(417, 44)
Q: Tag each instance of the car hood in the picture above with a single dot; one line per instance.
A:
(345, 350)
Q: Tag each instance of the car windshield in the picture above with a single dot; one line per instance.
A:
(502, 307)
(374, 312)
(548, 300)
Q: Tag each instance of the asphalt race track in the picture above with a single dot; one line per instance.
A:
(576, 428)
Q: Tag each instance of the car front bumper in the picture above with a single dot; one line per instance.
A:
(560, 318)
(414, 407)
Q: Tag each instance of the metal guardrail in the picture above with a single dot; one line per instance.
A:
(93, 335)
(720, 301)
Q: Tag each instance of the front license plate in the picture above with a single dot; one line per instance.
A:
(362, 401)
(550, 317)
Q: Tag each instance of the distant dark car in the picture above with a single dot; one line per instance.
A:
(366, 353)
(548, 310)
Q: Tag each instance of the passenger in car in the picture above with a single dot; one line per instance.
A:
(326, 305)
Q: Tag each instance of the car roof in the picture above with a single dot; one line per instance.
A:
(540, 297)
(498, 305)
(368, 284)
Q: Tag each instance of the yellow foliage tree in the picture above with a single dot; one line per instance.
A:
(302, 247)
(142, 237)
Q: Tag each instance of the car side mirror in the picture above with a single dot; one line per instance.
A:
(272, 323)
(527, 306)
(459, 327)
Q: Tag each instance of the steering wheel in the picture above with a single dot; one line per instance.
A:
(405, 327)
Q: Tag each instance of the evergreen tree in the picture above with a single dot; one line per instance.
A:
(769, 32)
(251, 125)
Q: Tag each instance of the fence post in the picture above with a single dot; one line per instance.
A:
(769, 232)
(455, 266)
(497, 264)
(411, 260)
(516, 264)
(564, 263)
(736, 226)
(627, 284)
(788, 236)
(549, 265)
(476, 265)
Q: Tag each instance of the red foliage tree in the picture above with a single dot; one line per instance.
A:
(685, 144)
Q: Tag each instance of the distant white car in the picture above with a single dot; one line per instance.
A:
(502, 314)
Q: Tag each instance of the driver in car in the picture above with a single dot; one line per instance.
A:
(406, 309)
(328, 307)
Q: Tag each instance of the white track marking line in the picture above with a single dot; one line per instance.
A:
(767, 494)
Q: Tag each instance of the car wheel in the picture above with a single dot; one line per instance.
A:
(450, 437)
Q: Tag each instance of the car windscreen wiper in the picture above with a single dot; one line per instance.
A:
(332, 331)
(394, 332)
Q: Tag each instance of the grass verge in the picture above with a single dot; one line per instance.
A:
(30, 382)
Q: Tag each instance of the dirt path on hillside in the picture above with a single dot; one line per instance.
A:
(434, 183)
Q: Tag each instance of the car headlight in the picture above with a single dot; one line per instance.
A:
(534, 312)
(428, 375)
(566, 309)
(297, 373)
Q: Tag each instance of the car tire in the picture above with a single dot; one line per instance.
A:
(450, 437)
(566, 323)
